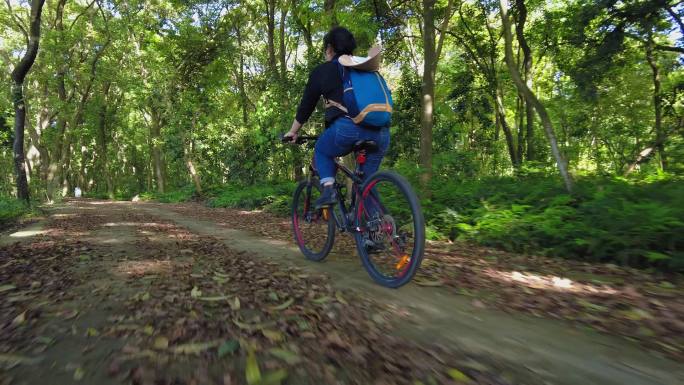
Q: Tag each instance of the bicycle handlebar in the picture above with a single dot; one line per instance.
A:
(300, 139)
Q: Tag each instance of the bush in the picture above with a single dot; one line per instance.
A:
(272, 197)
(183, 194)
(10, 210)
(634, 222)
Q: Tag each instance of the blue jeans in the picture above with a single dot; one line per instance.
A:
(338, 140)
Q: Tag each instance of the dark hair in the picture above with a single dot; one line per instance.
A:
(341, 40)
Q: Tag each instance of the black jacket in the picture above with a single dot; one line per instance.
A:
(324, 81)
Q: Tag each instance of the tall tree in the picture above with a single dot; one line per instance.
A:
(530, 97)
(18, 75)
(521, 14)
(432, 50)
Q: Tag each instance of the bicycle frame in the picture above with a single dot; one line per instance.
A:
(344, 224)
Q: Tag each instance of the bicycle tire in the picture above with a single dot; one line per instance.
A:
(419, 229)
(312, 255)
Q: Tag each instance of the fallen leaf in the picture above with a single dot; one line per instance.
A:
(272, 335)
(283, 305)
(194, 348)
(321, 300)
(92, 332)
(252, 372)
(11, 360)
(235, 305)
(214, 299)
(458, 375)
(79, 373)
(148, 329)
(228, 347)
(161, 343)
(195, 292)
(341, 299)
(20, 319)
(273, 378)
(4, 288)
(289, 357)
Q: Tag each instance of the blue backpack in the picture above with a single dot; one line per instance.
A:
(367, 98)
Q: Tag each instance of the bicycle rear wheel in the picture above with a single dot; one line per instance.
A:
(391, 240)
(314, 230)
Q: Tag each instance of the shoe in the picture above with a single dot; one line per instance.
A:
(327, 198)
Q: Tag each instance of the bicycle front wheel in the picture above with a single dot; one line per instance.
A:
(314, 229)
(390, 236)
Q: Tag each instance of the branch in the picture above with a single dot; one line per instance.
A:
(445, 26)
(676, 18)
(81, 14)
(17, 21)
(669, 48)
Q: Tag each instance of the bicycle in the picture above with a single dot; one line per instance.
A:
(385, 219)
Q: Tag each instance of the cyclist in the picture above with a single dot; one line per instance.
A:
(341, 132)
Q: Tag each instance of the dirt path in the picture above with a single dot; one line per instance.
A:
(110, 293)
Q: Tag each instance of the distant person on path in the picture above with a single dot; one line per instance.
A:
(341, 132)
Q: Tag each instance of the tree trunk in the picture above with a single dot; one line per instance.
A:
(510, 143)
(306, 29)
(531, 98)
(18, 75)
(187, 154)
(427, 92)
(657, 105)
(102, 135)
(54, 177)
(527, 68)
(157, 156)
(432, 49)
(270, 23)
(241, 76)
(282, 54)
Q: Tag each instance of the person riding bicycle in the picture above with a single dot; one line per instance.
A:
(341, 133)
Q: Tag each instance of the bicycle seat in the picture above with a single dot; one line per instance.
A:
(368, 145)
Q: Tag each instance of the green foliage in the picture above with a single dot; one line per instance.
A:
(633, 222)
(11, 209)
(274, 197)
(183, 194)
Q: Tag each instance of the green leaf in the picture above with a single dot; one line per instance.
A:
(283, 305)
(655, 256)
(321, 300)
(195, 347)
(161, 343)
(228, 347)
(252, 372)
(289, 357)
(79, 373)
(235, 305)
(341, 299)
(274, 378)
(458, 375)
(195, 292)
(214, 299)
(272, 335)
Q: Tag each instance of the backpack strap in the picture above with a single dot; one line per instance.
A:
(331, 103)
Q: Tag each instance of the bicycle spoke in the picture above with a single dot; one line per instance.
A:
(312, 227)
(387, 216)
